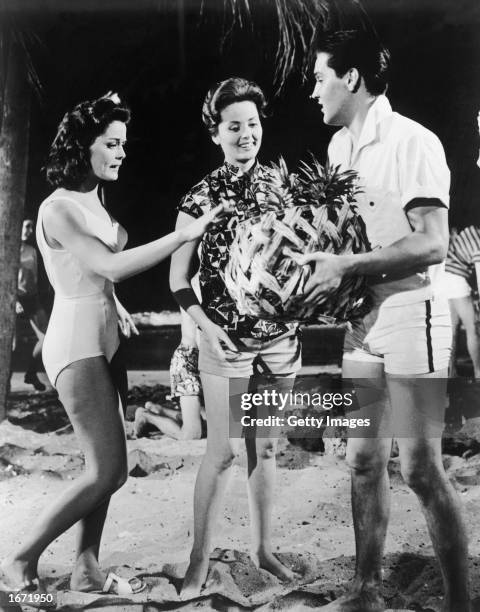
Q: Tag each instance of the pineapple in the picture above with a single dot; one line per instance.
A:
(312, 210)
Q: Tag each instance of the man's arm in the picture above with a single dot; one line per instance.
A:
(425, 246)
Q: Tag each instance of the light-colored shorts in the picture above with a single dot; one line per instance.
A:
(408, 339)
(184, 374)
(280, 356)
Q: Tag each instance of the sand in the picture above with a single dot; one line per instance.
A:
(149, 527)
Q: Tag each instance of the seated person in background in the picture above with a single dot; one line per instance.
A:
(185, 424)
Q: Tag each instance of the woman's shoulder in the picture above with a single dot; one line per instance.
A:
(203, 185)
(61, 205)
(198, 198)
(59, 198)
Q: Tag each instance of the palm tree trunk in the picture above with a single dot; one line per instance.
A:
(14, 137)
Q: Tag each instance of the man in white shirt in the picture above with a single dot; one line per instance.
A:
(398, 354)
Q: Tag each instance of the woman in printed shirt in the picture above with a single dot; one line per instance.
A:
(231, 345)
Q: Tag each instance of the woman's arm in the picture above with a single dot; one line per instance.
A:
(66, 225)
(180, 275)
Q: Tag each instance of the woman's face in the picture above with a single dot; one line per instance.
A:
(107, 151)
(240, 132)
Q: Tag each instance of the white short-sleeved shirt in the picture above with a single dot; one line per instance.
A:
(397, 160)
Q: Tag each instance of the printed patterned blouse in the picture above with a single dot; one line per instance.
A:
(247, 193)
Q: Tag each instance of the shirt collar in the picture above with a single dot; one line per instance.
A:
(380, 109)
(232, 170)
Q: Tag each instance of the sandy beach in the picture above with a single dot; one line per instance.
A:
(149, 528)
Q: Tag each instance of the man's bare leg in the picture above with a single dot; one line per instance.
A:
(368, 460)
(422, 406)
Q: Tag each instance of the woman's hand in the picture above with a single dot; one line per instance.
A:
(125, 321)
(220, 341)
(197, 228)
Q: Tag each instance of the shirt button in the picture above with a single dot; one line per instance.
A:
(372, 203)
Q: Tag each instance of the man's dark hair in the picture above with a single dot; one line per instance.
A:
(360, 50)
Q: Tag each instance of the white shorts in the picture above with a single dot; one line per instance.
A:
(408, 339)
(455, 286)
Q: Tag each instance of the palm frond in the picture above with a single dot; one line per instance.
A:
(29, 42)
(15, 31)
(298, 22)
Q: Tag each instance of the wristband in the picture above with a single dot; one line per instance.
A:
(186, 298)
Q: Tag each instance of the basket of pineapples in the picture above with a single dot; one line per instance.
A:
(311, 210)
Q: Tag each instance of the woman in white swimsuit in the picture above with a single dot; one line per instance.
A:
(82, 250)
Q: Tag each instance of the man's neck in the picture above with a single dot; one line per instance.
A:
(359, 115)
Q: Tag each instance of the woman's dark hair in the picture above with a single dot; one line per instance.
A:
(68, 162)
(228, 92)
(360, 50)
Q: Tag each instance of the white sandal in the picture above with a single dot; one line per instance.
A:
(116, 585)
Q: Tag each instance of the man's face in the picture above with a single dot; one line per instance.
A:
(27, 229)
(331, 92)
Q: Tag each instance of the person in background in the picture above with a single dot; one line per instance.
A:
(462, 271)
(462, 274)
(185, 386)
(28, 303)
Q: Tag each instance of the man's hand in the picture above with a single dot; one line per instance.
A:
(329, 272)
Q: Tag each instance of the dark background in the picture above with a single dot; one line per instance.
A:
(162, 56)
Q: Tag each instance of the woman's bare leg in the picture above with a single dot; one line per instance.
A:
(261, 494)
(90, 398)
(86, 575)
(165, 424)
(186, 425)
(262, 467)
(191, 408)
(211, 480)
